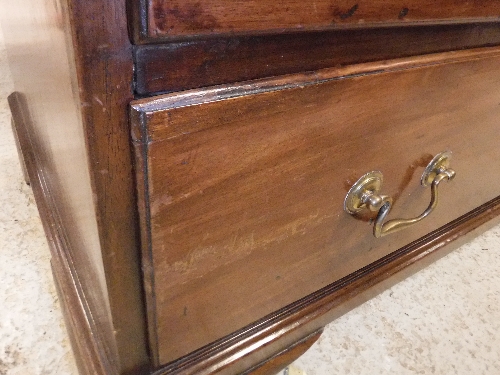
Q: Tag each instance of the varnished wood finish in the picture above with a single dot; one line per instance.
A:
(250, 219)
(279, 361)
(244, 185)
(87, 341)
(72, 61)
(180, 66)
(175, 19)
(19, 153)
(288, 325)
(105, 74)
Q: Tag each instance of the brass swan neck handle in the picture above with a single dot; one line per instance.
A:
(364, 194)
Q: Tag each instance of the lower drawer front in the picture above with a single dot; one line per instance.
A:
(242, 187)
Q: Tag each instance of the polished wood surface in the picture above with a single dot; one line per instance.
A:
(104, 63)
(256, 342)
(72, 62)
(53, 118)
(246, 252)
(87, 341)
(279, 361)
(19, 152)
(175, 19)
(180, 66)
(244, 185)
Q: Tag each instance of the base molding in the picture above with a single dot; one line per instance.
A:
(282, 359)
(266, 346)
(87, 347)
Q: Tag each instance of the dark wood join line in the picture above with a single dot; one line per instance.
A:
(179, 66)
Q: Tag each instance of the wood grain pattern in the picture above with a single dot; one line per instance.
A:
(104, 74)
(87, 341)
(279, 361)
(255, 155)
(72, 61)
(180, 66)
(19, 152)
(45, 80)
(175, 19)
(245, 184)
(286, 326)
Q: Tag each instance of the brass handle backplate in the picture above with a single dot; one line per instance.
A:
(365, 195)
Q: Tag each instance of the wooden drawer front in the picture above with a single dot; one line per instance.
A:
(175, 19)
(242, 186)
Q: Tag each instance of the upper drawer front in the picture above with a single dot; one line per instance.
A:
(242, 187)
(176, 19)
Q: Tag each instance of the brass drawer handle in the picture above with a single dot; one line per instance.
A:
(364, 194)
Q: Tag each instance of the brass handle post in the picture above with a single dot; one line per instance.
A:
(364, 194)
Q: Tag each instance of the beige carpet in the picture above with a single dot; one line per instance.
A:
(444, 320)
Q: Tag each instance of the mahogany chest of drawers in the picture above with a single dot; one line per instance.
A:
(219, 180)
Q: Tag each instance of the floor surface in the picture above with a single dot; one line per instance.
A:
(444, 320)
